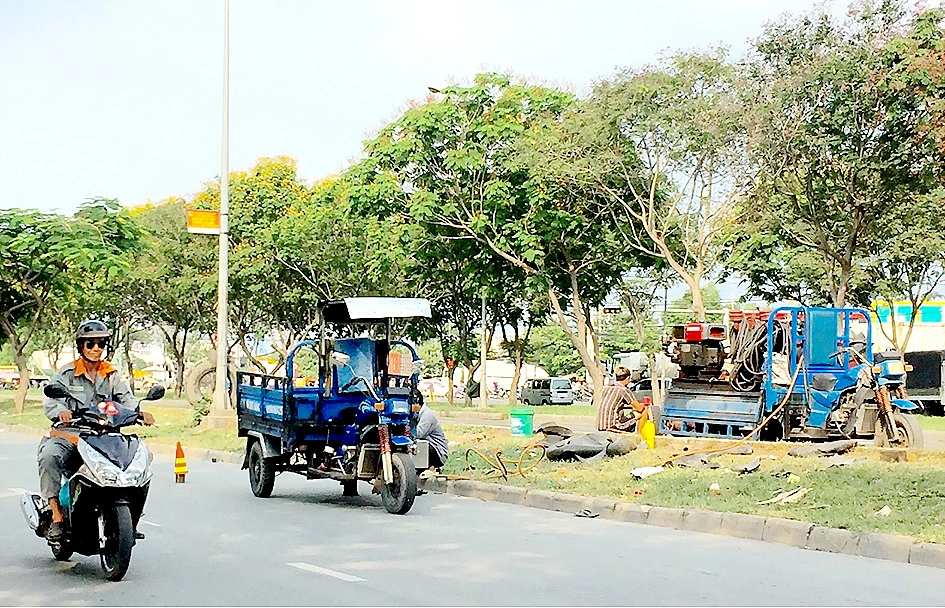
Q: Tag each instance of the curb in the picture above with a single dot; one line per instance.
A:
(793, 533)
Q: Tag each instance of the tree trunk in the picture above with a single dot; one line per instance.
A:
(517, 354)
(578, 338)
(698, 304)
(128, 362)
(250, 356)
(450, 374)
(843, 284)
(19, 401)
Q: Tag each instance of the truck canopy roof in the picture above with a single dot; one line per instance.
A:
(367, 310)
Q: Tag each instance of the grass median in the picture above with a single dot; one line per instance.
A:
(846, 496)
(173, 424)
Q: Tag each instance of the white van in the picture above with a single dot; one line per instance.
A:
(548, 391)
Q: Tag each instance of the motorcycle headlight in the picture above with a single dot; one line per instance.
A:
(139, 470)
(107, 473)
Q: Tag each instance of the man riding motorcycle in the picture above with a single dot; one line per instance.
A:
(90, 379)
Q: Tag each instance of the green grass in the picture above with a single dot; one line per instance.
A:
(932, 423)
(173, 424)
(843, 497)
(459, 407)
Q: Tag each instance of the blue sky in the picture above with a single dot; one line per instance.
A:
(123, 98)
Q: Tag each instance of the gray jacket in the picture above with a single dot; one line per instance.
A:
(428, 427)
(107, 388)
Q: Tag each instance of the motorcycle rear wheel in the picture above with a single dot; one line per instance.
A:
(398, 496)
(119, 539)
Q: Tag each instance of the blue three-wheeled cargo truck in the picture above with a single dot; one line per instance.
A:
(355, 419)
(793, 372)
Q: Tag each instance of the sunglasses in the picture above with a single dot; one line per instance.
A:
(93, 343)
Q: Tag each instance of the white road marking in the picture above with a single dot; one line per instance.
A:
(150, 523)
(310, 568)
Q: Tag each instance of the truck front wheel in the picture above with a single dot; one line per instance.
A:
(398, 496)
(262, 472)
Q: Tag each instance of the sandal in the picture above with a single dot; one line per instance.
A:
(586, 513)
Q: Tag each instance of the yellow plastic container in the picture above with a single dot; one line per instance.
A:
(648, 432)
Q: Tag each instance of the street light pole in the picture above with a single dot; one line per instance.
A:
(483, 391)
(220, 401)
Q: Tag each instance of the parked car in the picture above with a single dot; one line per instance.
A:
(548, 391)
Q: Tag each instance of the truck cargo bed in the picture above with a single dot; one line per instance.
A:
(709, 409)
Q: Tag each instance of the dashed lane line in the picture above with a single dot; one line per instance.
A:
(317, 570)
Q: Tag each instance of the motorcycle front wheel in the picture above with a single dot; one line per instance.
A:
(61, 551)
(910, 433)
(119, 539)
(398, 496)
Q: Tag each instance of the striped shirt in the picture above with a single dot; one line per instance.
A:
(616, 398)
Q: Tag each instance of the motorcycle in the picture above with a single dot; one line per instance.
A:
(878, 386)
(103, 500)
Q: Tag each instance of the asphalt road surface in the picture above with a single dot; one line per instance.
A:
(210, 542)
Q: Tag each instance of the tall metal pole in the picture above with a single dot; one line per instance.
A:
(220, 401)
(483, 390)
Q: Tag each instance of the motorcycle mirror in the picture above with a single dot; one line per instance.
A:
(55, 391)
(156, 392)
(339, 359)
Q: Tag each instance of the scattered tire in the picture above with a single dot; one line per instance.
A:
(201, 382)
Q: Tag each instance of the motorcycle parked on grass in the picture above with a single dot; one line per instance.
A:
(103, 500)
(880, 384)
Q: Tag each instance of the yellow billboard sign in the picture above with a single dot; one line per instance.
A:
(203, 221)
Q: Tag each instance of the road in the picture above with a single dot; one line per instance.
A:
(210, 542)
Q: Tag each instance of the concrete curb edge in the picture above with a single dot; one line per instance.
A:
(804, 535)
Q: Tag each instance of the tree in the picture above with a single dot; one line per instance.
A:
(263, 296)
(662, 148)
(323, 248)
(913, 269)
(836, 154)
(914, 79)
(175, 289)
(40, 255)
(552, 349)
(452, 166)
(711, 298)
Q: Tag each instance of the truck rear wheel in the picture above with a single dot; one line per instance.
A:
(910, 433)
(262, 472)
(398, 496)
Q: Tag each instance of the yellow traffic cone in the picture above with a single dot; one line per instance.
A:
(180, 465)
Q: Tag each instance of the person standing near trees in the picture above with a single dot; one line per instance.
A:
(616, 400)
